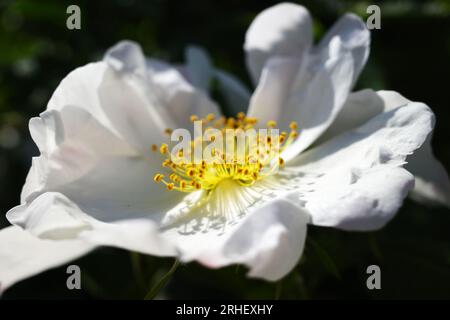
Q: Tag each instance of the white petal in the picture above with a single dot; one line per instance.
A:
(118, 104)
(167, 100)
(199, 67)
(22, 255)
(50, 216)
(354, 35)
(311, 93)
(235, 93)
(359, 200)
(282, 30)
(270, 242)
(269, 101)
(432, 181)
(92, 182)
(72, 142)
(201, 73)
(54, 216)
(179, 96)
(127, 57)
(363, 183)
(269, 238)
(116, 192)
(75, 90)
(359, 108)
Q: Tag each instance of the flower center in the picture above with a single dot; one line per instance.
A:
(247, 156)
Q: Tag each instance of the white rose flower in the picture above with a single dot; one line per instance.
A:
(92, 184)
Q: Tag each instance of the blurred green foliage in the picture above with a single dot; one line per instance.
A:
(410, 54)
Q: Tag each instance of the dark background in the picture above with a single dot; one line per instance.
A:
(410, 54)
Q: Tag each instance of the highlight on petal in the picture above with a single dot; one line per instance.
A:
(114, 101)
(179, 97)
(127, 57)
(91, 185)
(71, 142)
(308, 85)
(23, 255)
(165, 94)
(311, 94)
(357, 165)
(352, 32)
(284, 30)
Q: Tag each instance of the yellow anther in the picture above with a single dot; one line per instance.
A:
(220, 122)
(164, 148)
(191, 172)
(187, 176)
(271, 124)
(251, 120)
(168, 131)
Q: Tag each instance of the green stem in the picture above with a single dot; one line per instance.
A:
(137, 270)
(278, 289)
(162, 282)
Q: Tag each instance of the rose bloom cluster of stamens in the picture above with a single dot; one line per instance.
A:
(260, 160)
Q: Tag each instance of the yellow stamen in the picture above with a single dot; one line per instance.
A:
(188, 177)
(271, 124)
(164, 148)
